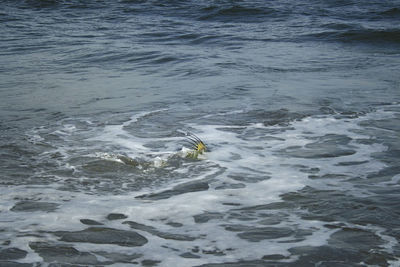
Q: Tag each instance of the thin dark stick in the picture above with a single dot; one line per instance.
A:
(191, 143)
(196, 137)
(193, 140)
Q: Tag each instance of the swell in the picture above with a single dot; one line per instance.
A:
(365, 36)
(237, 13)
(392, 12)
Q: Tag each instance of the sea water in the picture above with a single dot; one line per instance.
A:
(297, 102)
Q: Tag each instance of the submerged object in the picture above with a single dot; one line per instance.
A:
(198, 147)
(194, 151)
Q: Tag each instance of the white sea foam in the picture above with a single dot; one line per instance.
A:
(233, 157)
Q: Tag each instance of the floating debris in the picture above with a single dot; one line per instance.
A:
(198, 147)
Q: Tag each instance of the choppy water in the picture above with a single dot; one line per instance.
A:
(299, 103)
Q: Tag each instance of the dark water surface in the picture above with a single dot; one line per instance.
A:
(298, 102)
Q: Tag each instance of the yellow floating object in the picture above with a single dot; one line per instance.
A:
(198, 146)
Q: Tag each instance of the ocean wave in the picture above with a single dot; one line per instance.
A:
(367, 36)
(392, 12)
(237, 13)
